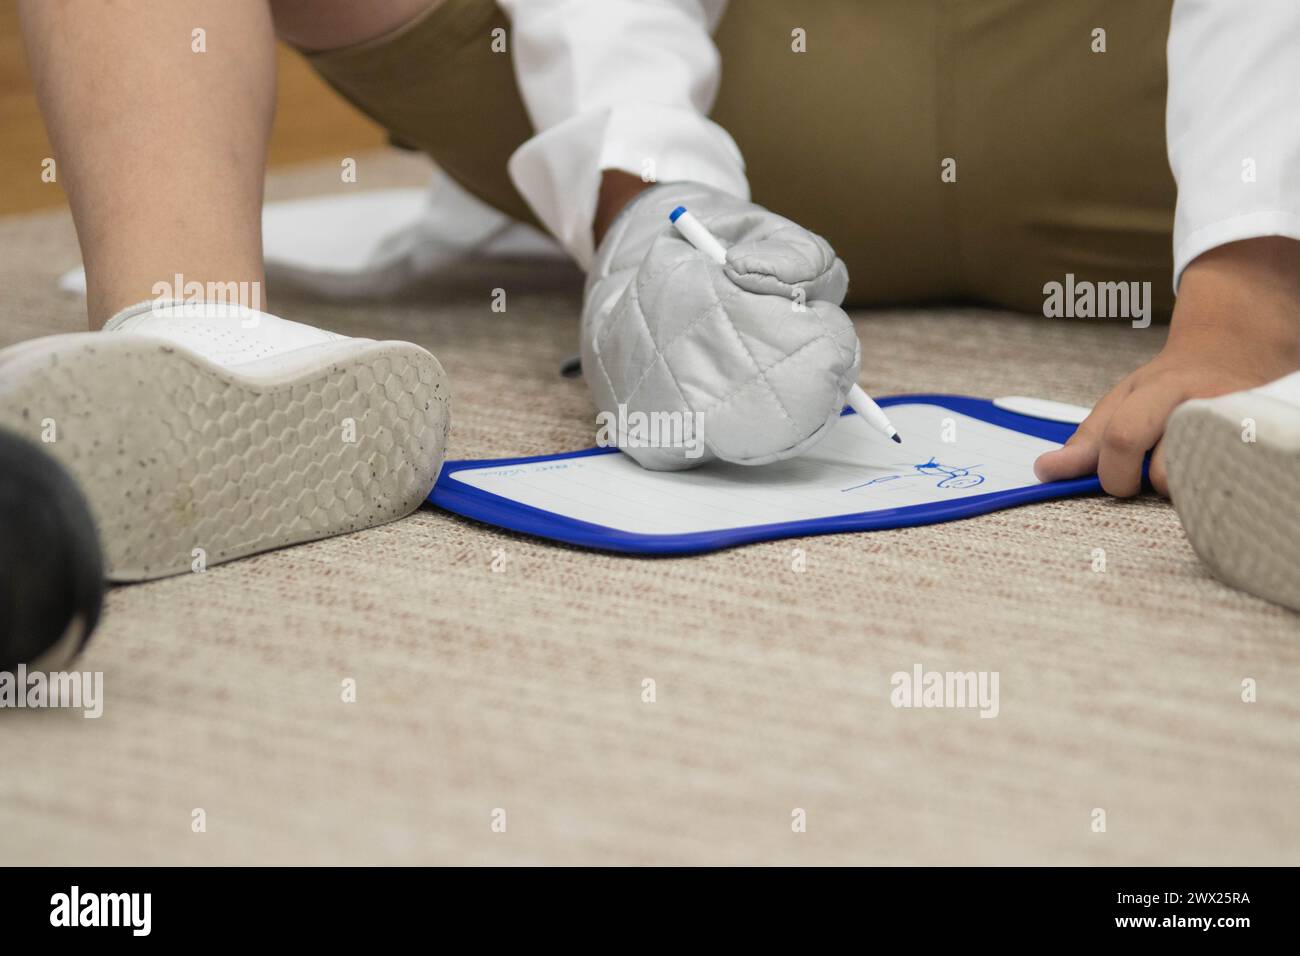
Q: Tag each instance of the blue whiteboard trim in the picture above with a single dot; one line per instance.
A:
(470, 502)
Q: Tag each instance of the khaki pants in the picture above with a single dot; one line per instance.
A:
(1058, 151)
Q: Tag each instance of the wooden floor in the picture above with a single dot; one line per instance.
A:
(311, 122)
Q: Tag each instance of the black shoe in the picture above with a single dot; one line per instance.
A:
(51, 571)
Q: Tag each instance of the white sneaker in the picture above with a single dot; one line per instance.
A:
(200, 434)
(1234, 476)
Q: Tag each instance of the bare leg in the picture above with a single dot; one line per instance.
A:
(160, 114)
(334, 24)
(161, 148)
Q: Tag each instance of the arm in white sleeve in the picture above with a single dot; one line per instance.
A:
(1233, 122)
(615, 84)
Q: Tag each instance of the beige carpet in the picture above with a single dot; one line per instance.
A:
(522, 689)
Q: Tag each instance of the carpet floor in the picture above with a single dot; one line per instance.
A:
(521, 690)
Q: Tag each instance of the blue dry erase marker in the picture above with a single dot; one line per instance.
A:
(694, 232)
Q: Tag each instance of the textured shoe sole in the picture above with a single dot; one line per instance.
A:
(186, 464)
(1239, 501)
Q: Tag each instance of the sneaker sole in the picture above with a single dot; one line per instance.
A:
(186, 464)
(1237, 500)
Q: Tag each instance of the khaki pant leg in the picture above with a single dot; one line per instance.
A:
(1061, 150)
(437, 85)
(843, 138)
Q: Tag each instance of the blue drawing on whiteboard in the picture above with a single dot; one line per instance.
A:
(949, 476)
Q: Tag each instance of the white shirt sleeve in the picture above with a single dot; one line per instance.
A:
(615, 84)
(1233, 122)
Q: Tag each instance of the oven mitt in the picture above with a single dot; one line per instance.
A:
(754, 357)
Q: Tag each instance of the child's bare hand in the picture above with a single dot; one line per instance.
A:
(1129, 421)
(1236, 326)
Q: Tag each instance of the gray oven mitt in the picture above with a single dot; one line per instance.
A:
(758, 352)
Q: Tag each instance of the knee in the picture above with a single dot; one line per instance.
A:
(322, 25)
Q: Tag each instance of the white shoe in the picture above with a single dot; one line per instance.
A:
(200, 434)
(1234, 476)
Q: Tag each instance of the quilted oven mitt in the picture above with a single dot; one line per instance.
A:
(757, 351)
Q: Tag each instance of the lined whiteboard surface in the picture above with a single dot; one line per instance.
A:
(855, 469)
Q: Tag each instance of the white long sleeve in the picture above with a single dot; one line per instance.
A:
(1233, 116)
(615, 84)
